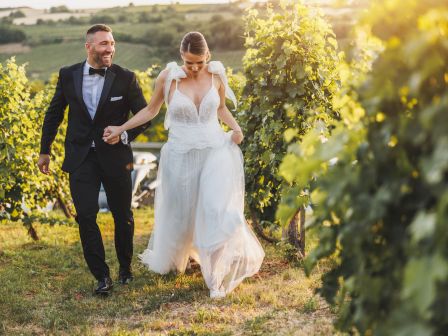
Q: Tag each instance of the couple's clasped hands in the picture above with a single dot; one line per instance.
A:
(112, 134)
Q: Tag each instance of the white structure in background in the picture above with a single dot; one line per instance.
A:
(144, 166)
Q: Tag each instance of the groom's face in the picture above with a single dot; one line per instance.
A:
(100, 49)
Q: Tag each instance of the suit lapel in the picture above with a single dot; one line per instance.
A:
(108, 81)
(77, 80)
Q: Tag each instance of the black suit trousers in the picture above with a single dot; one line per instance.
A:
(85, 183)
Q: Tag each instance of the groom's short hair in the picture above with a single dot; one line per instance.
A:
(96, 28)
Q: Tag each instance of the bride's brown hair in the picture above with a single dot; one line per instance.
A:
(195, 43)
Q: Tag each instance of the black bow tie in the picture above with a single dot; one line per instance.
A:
(100, 72)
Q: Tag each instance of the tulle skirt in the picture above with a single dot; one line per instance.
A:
(199, 213)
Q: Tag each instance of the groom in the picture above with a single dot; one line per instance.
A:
(98, 93)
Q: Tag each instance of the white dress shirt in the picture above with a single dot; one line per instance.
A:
(92, 86)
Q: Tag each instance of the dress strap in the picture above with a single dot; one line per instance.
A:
(175, 72)
(216, 67)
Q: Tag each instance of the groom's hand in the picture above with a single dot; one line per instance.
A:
(110, 141)
(44, 163)
(111, 135)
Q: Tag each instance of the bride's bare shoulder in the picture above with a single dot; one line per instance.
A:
(162, 77)
(163, 74)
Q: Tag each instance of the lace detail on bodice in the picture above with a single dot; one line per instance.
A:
(181, 109)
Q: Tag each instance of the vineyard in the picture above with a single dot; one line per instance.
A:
(346, 167)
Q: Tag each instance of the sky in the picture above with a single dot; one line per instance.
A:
(75, 4)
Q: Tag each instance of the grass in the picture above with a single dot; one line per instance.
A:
(47, 289)
(77, 32)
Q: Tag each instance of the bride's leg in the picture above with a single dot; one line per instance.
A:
(186, 195)
(171, 211)
(228, 250)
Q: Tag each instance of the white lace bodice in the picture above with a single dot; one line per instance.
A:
(183, 110)
(192, 126)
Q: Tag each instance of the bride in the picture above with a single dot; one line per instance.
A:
(199, 200)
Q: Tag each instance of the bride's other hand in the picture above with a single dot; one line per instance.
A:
(112, 134)
(237, 137)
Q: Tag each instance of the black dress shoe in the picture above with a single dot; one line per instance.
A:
(125, 279)
(104, 286)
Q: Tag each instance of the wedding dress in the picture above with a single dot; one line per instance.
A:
(199, 199)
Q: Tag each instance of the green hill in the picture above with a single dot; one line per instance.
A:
(47, 59)
(145, 35)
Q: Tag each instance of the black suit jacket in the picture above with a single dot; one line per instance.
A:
(82, 130)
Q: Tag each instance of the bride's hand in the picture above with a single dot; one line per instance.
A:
(112, 134)
(237, 136)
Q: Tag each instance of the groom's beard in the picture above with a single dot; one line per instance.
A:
(103, 59)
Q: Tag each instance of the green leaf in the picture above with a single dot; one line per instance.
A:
(290, 133)
(423, 226)
(420, 280)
